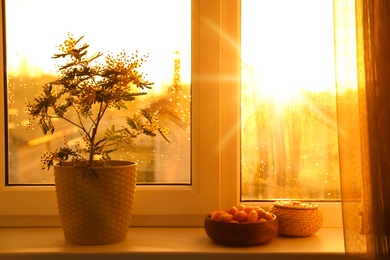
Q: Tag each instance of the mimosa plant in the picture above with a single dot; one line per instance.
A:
(83, 93)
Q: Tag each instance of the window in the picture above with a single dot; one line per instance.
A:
(215, 137)
(36, 205)
(108, 29)
(289, 117)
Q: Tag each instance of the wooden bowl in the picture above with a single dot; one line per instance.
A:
(241, 234)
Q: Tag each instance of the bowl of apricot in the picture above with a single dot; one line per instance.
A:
(241, 226)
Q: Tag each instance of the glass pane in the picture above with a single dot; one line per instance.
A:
(161, 29)
(289, 123)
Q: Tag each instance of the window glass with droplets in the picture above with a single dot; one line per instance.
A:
(288, 105)
(158, 30)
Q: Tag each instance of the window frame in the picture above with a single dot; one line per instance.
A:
(36, 205)
(215, 138)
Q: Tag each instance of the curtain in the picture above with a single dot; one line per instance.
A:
(364, 126)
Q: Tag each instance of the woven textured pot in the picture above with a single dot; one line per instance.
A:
(298, 219)
(95, 210)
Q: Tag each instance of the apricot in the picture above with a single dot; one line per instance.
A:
(232, 210)
(226, 217)
(268, 216)
(261, 213)
(241, 216)
(217, 215)
(241, 207)
(252, 217)
(248, 209)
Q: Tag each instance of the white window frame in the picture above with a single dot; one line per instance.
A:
(215, 138)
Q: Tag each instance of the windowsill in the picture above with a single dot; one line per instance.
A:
(164, 243)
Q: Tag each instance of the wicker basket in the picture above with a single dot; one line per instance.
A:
(298, 219)
(95, 210)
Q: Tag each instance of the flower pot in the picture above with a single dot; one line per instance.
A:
(96, 208)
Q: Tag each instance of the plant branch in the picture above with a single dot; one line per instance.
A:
(85, 83)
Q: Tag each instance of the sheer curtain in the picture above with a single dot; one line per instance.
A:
(364, 126)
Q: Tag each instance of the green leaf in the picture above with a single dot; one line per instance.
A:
(46, 125)
(130, 96)
(134, 122)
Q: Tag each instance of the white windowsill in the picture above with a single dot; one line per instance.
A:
(164, 243)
